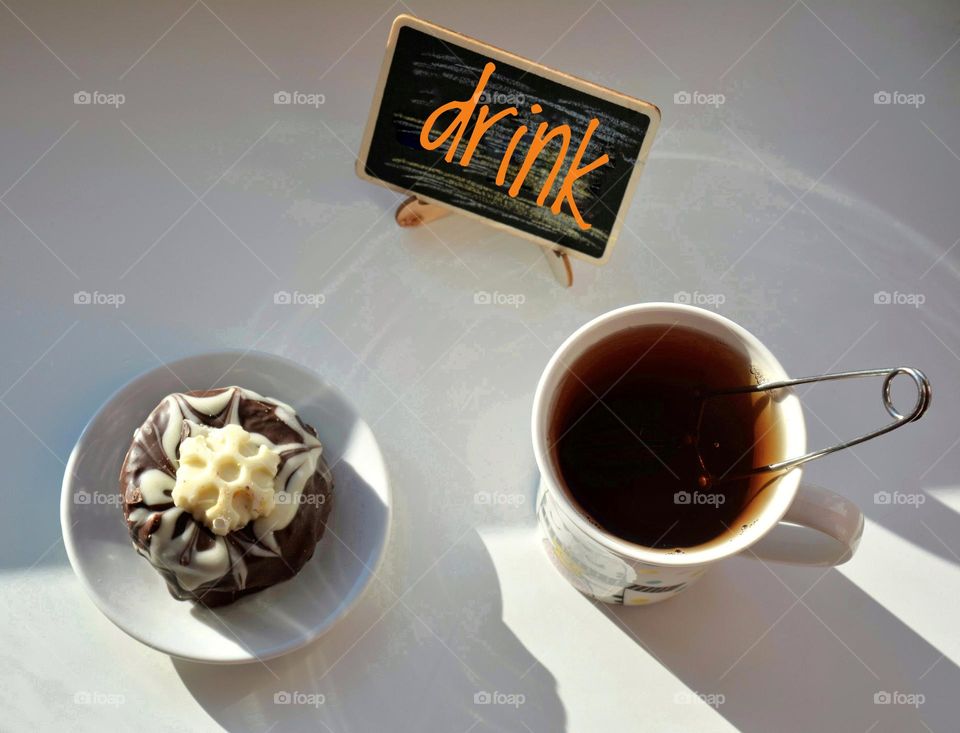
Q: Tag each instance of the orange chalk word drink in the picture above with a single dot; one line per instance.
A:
(542, 137)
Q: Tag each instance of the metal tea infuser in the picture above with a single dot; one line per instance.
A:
(924, 392)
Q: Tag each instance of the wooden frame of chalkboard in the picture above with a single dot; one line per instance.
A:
(389, 157)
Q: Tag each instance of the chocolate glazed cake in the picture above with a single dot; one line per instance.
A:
(225, 492)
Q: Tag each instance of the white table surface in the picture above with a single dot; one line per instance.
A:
(796, 200)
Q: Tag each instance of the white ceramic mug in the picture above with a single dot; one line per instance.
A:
(817, 527)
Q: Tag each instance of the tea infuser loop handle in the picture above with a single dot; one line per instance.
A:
(924, 392)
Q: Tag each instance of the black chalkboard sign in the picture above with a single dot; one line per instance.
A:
(468, 126)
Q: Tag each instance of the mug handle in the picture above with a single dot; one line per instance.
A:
(820, 528)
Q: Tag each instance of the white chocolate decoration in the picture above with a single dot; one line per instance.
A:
(226, 476)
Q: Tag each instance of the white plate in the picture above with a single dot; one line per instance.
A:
(275, 621)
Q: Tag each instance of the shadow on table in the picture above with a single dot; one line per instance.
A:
(35, 478)
(449, 663)
(926, 524)
(740, 640)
